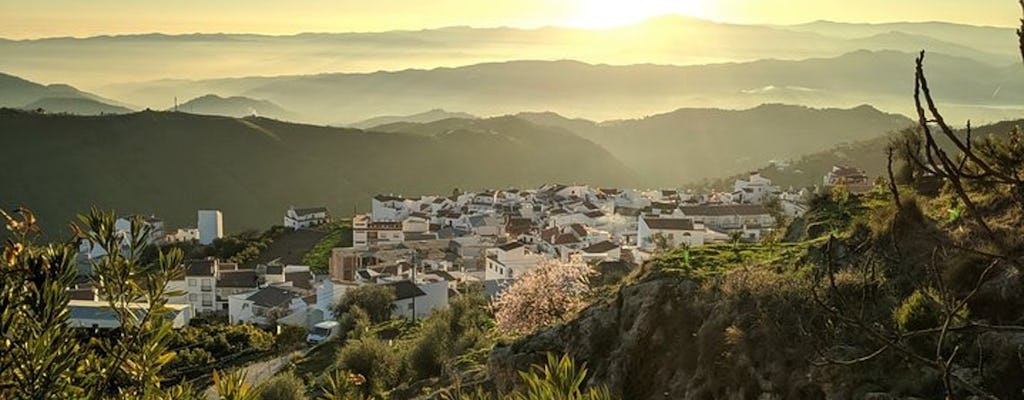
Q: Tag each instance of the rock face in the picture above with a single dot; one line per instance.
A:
(671, 337)
(644, 345)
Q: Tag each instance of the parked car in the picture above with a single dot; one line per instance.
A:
(322, 331)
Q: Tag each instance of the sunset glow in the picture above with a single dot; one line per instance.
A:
(599, 14)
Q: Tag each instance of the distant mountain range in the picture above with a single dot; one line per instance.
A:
(436, 114)
(254, 168)
(16, 92)
(236, 106)
(669, 39)
(970, 88)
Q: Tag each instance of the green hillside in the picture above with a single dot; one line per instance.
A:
(171, 164)
(235, 106)
(693, 144)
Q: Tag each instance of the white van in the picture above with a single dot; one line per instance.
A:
(322, 331)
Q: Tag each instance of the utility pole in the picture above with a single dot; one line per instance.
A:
(415, 260)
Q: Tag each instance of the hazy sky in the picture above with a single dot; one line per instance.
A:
(46, 18)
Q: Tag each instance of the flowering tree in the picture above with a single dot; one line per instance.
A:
(549, 293)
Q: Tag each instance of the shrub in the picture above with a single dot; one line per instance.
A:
(290, 337)
(286, 386)
(432, 348)
(918, 311)
(373, 359)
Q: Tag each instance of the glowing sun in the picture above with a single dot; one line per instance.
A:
(597, 14)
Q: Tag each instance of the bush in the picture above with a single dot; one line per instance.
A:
(290, 337)
(373, 359)
(376, 300)
(286, 386)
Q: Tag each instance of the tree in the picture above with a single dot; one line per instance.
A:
(373, 359)
(550, 293)
(377, 300)
(40, 356)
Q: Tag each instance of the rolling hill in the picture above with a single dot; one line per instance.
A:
(171, 164)
(75, 105)
(235, 106)
(436, 114)
(596, 91)
(16, 92)
(693, 144)
(868, 155)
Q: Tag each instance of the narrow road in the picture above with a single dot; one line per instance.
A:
(259, 372)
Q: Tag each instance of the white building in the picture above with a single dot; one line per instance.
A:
(509, 261)
(366, 232)
(266, 306)
(676, 231)
(211, 226)
(731, 217)
(389, 208)
(754, 190)
(601, 251)
(91, 314)
(301, 218)
(182, 236)
(418, 300)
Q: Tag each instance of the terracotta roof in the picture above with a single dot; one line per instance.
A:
(670, 224)
(199, 267)
(720, 210)
(272, 297)
(405, 290)
(300, 279)
(579, 229)
(602, 247)
(388, 197)
(566, 238)
(301, 212)
(245, 278)
(510, 246)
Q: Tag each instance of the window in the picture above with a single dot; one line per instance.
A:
(192, 297)
(191, 281)
(207, 300)
(206, 285)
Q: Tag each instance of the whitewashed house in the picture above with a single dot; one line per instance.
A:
(509, 261)
(731, 217)
(389, 208)
(302, 218)
(754, 190)
(266, 306)
(366, 232)
(418, 301)
(676, 231)
(601, 251)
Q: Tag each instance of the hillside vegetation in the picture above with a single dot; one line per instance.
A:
(255, 168)
(688, 145)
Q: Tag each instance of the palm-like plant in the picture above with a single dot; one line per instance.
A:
(233, 386)
(560, 379)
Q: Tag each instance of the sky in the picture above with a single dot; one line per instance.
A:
(25, 19)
